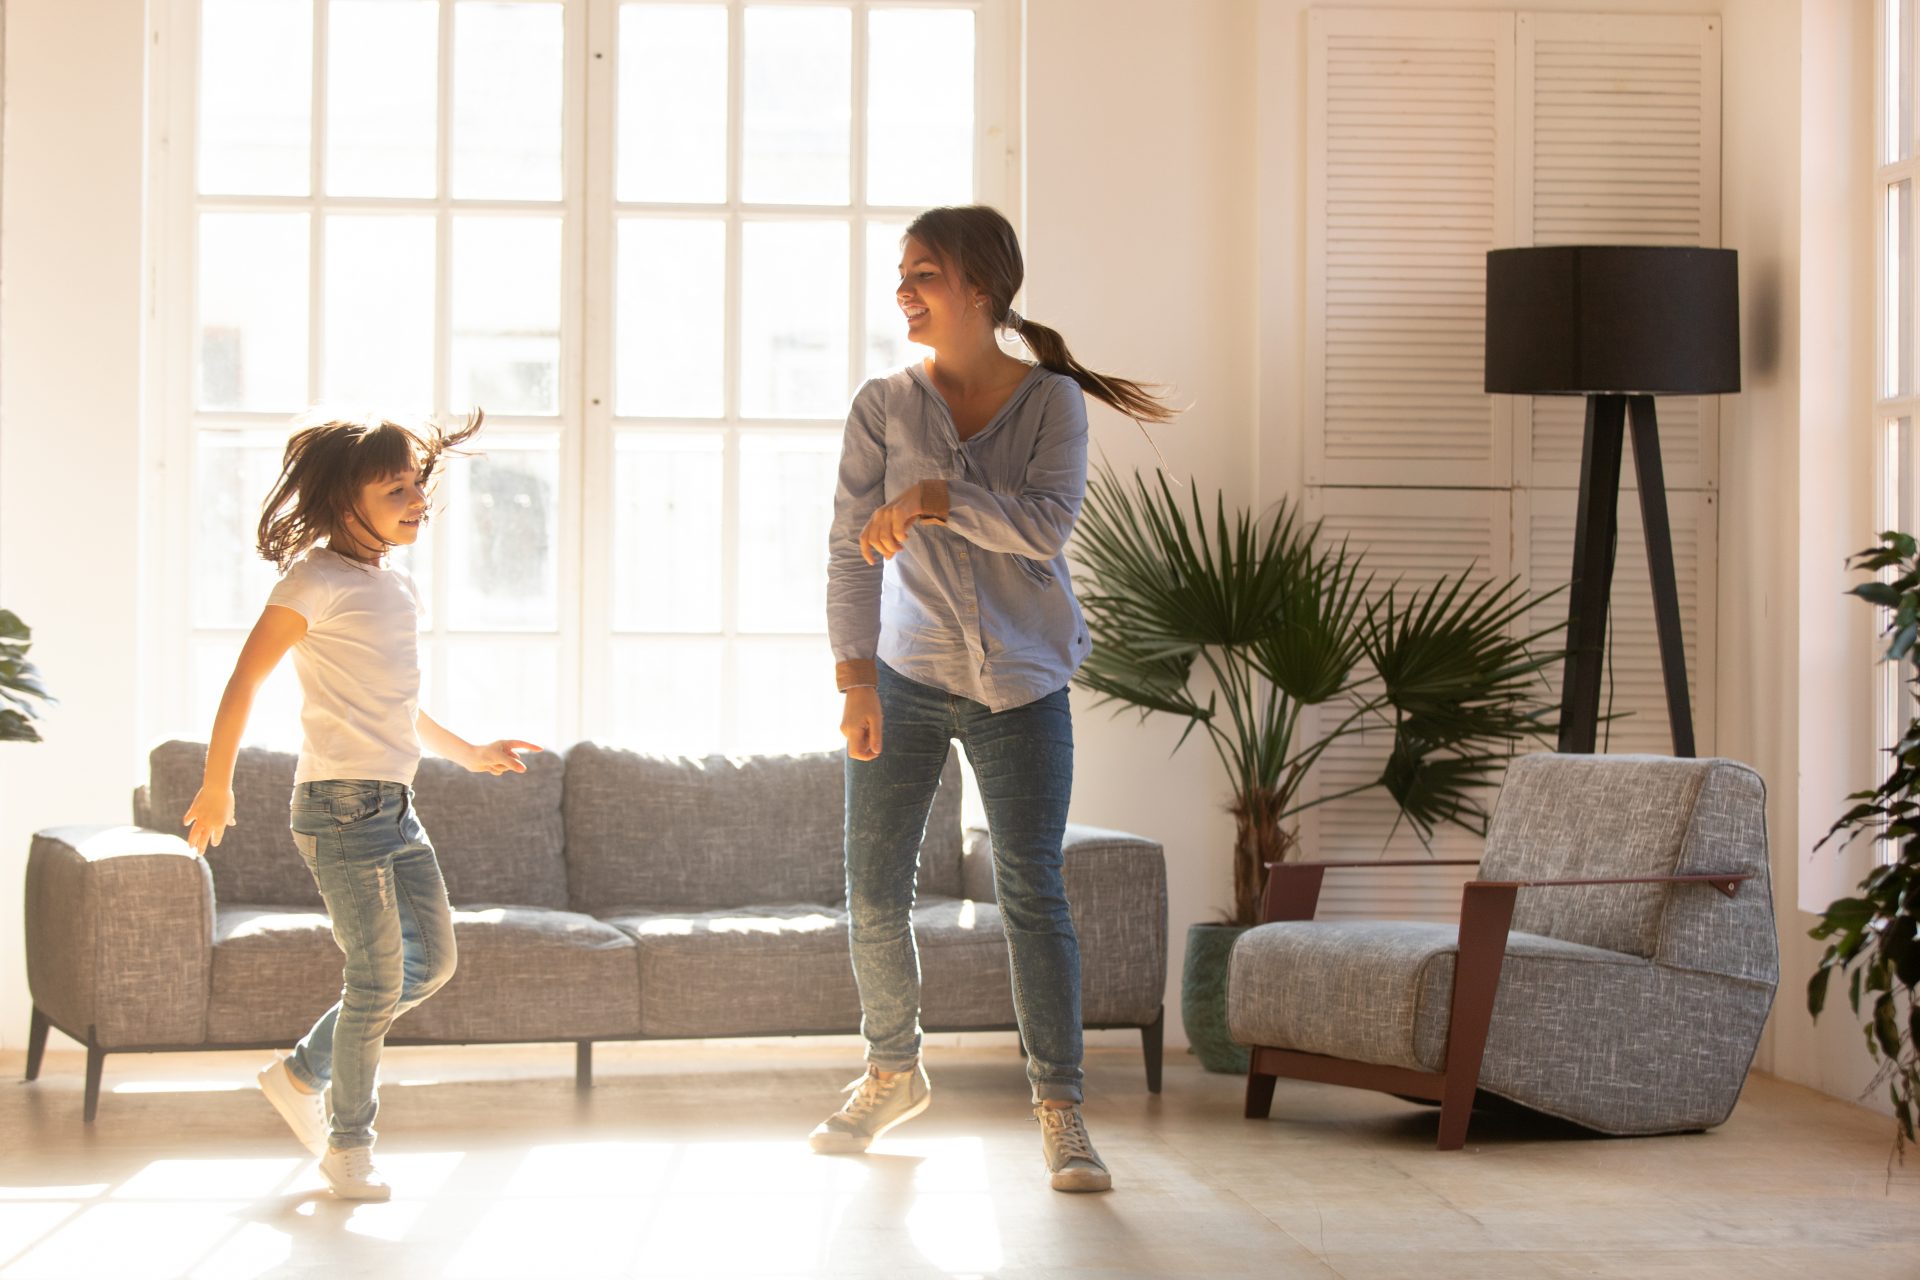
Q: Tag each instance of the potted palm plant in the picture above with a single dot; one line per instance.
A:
(1276, 645)
(20, 686)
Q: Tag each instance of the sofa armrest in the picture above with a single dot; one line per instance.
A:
(1117, 886)
(119, 935)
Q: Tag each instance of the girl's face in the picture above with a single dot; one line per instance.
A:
(393, 507)
(941, 308)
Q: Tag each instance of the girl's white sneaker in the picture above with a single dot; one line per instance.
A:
(350, 1172)
(305, 1113)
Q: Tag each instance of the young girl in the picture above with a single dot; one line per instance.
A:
(348, 493)
(951, 616)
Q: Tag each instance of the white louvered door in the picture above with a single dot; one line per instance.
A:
(1580, 129)
(1410, 172)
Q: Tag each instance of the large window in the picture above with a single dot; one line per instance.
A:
(1896, 394)
(655, 242)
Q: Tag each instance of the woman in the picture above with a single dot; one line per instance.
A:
(951, 616)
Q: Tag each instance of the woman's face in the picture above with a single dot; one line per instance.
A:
(940, 307)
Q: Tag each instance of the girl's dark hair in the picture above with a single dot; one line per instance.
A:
(322, 473)
(977, 242)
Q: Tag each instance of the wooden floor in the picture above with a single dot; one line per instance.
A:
(691, 1161)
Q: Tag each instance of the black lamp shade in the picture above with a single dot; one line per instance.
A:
(1613, 319)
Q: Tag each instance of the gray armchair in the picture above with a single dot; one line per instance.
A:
(1613, 965)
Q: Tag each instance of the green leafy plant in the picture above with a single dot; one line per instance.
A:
(20, 686)
(1872, 936)
(1282, 624)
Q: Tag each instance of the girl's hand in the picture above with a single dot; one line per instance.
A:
(888, 528)
(861, 722)
(208, 818)
(501, 757)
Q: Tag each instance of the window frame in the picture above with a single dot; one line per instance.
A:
(584, 422)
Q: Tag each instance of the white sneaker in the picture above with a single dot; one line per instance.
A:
(878, 1103)
(1072, 1163)
(350, 1172)
(305, 1113)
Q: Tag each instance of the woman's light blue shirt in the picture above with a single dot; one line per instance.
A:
(979, 606)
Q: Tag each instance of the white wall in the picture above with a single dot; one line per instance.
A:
(70, 272)
(1140, 250)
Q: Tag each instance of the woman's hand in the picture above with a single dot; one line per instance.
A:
(208, 818)
(860, 723)
(888, 528)
(500, 757)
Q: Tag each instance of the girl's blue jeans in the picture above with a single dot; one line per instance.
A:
(1023, 759)
(388, 903)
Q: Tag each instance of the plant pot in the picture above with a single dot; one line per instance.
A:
(1203, 997)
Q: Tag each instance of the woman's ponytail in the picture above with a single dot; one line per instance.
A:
(1124, 394)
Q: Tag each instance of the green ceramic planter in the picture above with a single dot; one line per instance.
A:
(1203, 997)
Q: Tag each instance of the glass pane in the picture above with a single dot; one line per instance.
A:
(503, 531)
(275, 719)
(233, 473)
(673, 103)
(799, 82)
(786, 508)
(786, 698)
(920, 106)
(507, 72)
(256, 96)
(253, 311)
(503, 689)
(1899, 105)
(383, 59)
(666, 697)
(793, 319)
(666, 530)
(506, 314)
(1900, 272)
(887, 345)
(379, 312)
(670, 322)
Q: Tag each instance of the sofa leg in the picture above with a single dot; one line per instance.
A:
(1151, 1037)
(36, 1042)
(96, 1059)
(1259, 1093)
(582, 1066)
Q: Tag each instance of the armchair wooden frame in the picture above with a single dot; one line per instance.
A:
(1486, 916)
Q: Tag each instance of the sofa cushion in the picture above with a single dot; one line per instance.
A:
(523, 974)
(497, 839)
(255, 861)
(783, 969)
(1585, 817)
(1358, 989)
(675, 832)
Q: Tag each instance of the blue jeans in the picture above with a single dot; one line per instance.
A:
(1023, 759)
(388, 903)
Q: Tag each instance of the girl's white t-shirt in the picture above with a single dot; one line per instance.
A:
(359, 667)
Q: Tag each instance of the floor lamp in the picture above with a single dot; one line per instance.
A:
(1618, 325)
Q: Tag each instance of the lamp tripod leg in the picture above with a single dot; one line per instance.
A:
(1594, 528)
(1666, 593)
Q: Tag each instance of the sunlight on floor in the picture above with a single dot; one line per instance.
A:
(574, 1209)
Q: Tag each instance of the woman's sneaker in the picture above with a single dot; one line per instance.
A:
(1071, 1159)
(877, 1104)
(350, 1172)
(305, 1113)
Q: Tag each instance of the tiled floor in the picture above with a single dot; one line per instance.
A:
(689, 1161)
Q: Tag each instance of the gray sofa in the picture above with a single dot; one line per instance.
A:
(1614, 963)
(601, 895)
